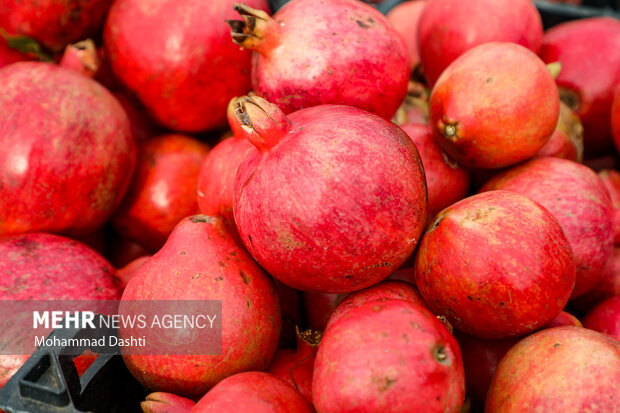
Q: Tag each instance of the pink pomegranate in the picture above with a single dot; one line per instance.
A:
(558, 369)
(389, 356)
(200, 261)
(404, 17)
(341, 52)
(566, 142)
(605, 317)
(577, 197)
(183, 70)
(385, 290)
(216, 179)
(67, 151)
(486, 114)
(54, 23)
(510, 268)
(307, 206)
(588, 52)
(255, 392)
(446, 181)
(449, 28)
(166, 403)
(41, 266)
(163, 189)
(296, 366)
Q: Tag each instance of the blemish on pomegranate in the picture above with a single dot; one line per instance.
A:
(195, 276)
(439, 354)
(245, 278)
(489, 80)
(556, 345)
(362, 24)
(202, 219)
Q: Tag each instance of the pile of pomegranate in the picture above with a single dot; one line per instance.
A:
(417, 212)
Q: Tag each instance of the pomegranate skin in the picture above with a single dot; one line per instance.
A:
(566, 142)
(306, 206)
(385, 290)
(569, 369)
(446, 181)
(588, 52)
(67, 151)
(392, 356)
(163, 189)
(481, 109)
(405, 17)
(161, 402)
(607, 287)
(510, 269)
(449, 28)
(605, 317)
(611, 179)
(216, 180)
(183, 70)
(40, 266)
(577, 197)
(343, 52)
(255, 392)
(200, 245)
(615, 118)
(54, 23)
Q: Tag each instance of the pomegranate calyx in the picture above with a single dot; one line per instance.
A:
(81, 57)
(264, 123)
(255, 28)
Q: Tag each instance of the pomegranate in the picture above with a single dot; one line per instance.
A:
(588, 52)
(482, 109)
(307, 206)
(216, 178)
(446, 181)
(605, 317)
(404, 17)
(449, 28)
(558, 369)
(124, 274)
(53, 23)
(607, 287)
(510, 268)
(41, 266)
(388, 356)
(611, 179)
(386, 290)
(255, 392)
(566, 142)
(342, 52)
(200, 261)
(482, 356)
(67, 151)
(296, 366)
(163, 189)
(183, 70)
(166, 403)
(577, 197)
(318, 307)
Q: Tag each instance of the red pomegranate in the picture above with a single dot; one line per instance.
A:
(255, 392)
(296, 366)
(509, 270)
(183, 70)
(216, 179)
(41, 266)
(54, 23)
(588, 52)
(389, 356)
(307, 206)
(341, 52)
(67, 151)
(449, 28)
(161, 402)
(577, 197)
(486, 114)
(163, 189)
(605, 317)
(558, 369)
(200, 261)
(446, 181)
(566, 142)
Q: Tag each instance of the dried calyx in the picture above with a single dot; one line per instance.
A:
(255, 28)
(263, 123)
